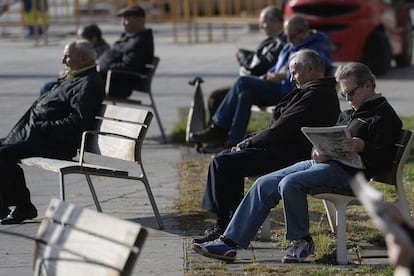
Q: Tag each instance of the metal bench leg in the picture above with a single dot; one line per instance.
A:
(265, 233)
(164, 138)
(152, 200)
(62, 186)
(93, 193)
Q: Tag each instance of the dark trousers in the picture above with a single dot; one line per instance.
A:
(225, 181)
(13, 190)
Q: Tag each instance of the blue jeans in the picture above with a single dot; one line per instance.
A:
(291, 184)
(233, 113)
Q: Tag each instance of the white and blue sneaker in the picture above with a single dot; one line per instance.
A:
(216, 249)
(298, 251)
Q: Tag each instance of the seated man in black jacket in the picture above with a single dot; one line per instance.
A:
(51, 127)
(313, 103)
(131, 52)
(255, 63)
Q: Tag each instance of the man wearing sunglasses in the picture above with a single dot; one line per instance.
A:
(374, 127)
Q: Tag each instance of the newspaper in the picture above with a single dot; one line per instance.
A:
(328, 140)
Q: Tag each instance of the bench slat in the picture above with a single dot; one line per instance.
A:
(77, 241)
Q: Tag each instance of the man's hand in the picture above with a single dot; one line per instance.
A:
(235, 148)
(318, 156)
(354, 145)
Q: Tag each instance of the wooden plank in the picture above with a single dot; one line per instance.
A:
(125, 114)
(78, 241)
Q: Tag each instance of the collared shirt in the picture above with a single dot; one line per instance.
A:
(75, 73)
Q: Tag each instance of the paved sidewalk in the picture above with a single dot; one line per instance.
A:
(24, 68)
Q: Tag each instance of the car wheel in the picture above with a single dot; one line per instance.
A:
(406, 56)
(377, 53)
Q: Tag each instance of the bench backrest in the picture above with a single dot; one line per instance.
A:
(144, 84)
(403, 148)
(76, 241)
(122, 131)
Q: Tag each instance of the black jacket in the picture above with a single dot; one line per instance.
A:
(315, 104)
(379, 126)
(264, 57)
(129, 53)
(57, 119)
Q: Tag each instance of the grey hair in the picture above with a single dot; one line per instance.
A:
(360, 71)
(308, 56)
(273, 13)
(84, 48)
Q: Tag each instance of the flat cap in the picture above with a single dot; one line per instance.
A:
(134, 10)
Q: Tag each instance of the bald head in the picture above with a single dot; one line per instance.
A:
(271, 20)
(296, 29)
(306, 65)
(78, 54)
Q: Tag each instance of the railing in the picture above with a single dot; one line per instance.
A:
(191, 13)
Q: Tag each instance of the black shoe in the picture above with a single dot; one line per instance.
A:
(213, 148)
(4, 213)
(20, 214)
(212, 134)
(210, 235)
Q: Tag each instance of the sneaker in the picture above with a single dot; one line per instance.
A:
(212, 134)
(210, 235)
(298, 251)
(216, 249)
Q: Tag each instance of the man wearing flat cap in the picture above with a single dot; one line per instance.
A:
(130, 52)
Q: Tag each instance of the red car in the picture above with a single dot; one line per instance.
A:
(370, 31)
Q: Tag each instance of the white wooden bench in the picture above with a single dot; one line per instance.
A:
(77, 241)
(119, 133)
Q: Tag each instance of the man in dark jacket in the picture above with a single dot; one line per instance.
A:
(313, 103)
(52, 127)
(256, 62)
(374, 127)
(131, 52)
(232, 116)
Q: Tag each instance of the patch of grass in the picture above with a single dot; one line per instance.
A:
(193, 173)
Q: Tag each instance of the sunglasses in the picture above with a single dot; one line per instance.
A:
(350, 93)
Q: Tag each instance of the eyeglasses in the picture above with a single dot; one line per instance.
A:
(350, 93)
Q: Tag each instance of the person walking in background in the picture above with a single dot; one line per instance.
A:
(313, 103)
(230, 121)
(51, 127)
(35, 16)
